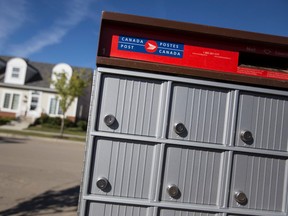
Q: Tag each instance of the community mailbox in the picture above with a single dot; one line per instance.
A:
(186, 119)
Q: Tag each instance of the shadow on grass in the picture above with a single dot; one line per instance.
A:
(50, 202)
(8, 140)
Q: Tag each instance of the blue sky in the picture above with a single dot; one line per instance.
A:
(67, 30)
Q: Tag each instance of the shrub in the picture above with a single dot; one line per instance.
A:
(36, 122)
(52, 121)
(82, 125)
(68, 123)
(44, 119)
(5, 120)
(41, 120)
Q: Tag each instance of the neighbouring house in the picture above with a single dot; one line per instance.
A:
(26, 90)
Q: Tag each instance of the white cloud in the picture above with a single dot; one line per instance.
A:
(45, 38)
(75, 12)
(13, 14)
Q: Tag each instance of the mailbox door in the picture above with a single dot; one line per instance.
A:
(262, 180)
(264, 118)
(129, 105)
(107, 209)
(195, 172)
(126, 166)
(168, 212)
(203, 111)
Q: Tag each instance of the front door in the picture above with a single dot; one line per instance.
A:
(34, 108)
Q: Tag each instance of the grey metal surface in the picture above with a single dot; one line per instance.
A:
(202, 170)
(196, 172)
(126, 165)
(266, 117)
(168, 212)
(203, 111)
(107, 209)
(185, 80)
(263, 181)
(133, 102)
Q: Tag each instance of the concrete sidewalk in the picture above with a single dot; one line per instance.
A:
(16, 125)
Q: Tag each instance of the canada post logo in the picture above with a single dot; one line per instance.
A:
(141, 45)
(151, 46)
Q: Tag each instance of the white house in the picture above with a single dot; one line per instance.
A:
(26, 90)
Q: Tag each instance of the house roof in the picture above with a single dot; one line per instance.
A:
(42, 77)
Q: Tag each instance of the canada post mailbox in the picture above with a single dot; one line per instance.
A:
(186, 120)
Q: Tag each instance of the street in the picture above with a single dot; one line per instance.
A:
(39, 176)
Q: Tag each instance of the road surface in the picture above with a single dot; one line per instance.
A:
(39, 176)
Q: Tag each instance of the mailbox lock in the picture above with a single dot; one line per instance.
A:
(240, 198)
(109, 120)
(173, 191)
(102, 183)
(246, 136)
(179, 128)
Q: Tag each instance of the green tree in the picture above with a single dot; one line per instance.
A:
(69, 90)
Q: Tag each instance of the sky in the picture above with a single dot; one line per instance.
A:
(67, 31)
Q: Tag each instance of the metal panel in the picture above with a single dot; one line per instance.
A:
(203, 111)
(266, 117)
(159, 176)
(168, 212)
(127, 167)
(196, 172)
(106, 209)
(262, 180)
(239, 215)
(134, 102)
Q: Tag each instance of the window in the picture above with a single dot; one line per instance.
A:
(34, 100)
(11, 101)
(6, 101)
(34, 103)
(15, 72)
(54, 107)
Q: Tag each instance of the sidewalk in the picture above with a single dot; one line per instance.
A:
(16, 125)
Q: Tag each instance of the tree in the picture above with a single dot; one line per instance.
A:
(69, 90)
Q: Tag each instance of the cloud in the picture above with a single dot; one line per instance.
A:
(75, 12)
(45, 38)
(13, 15)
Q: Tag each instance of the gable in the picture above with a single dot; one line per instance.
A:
(15, 73)
(61, 68)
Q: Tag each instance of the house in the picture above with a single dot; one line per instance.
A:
(26, 90)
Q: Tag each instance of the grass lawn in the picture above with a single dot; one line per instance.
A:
(49, 130)
(71, 131)
(39, 134)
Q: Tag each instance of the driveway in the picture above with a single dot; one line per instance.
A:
(39, 176)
